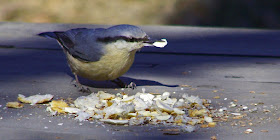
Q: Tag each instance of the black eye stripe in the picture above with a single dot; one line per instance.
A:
(114, 39)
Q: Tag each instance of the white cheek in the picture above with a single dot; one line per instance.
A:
(129, 46)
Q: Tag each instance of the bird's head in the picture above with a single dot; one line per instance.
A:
(128, 37)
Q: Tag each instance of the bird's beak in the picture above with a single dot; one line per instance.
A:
(156, 43)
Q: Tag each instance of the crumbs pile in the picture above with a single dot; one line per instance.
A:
(141, 108)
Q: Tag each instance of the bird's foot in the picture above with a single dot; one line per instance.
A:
(131, 85)
(121, 84)
(82, 88)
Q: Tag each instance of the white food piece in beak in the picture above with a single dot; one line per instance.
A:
(161, 43)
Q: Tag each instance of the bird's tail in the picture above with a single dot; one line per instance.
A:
(51, 35)
(64, 41)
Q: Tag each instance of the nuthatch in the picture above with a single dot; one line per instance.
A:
(102, 54)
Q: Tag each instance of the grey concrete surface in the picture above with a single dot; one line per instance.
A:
(232, 61)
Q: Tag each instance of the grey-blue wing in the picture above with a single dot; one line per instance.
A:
(80, 43)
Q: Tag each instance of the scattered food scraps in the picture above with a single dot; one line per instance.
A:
(248, 131)
(212, 124)
(35, 99)
(237, 117)
(141, 108)
(186, 113)
(204, 125)
(236, 114)
(215, 91)
(60, 124)
(185, 86)
(14, 105)
(216, 97)
(58, 106)
(213, 138)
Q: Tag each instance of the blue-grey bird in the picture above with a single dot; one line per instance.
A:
(102, 54)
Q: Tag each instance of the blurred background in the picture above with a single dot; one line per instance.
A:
(214, 13)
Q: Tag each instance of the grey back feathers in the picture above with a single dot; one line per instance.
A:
(88, 44)
(79, 43)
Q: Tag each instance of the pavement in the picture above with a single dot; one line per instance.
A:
(235, 64)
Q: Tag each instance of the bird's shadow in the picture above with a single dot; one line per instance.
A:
(126, 80)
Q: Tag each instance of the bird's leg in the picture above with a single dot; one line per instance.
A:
(121, 84)
(80, 86)
(131, 85)
(77, 83)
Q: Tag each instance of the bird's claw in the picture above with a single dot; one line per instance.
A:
(84, 89)
(131, 85)
(121, 84)
(80, 87)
